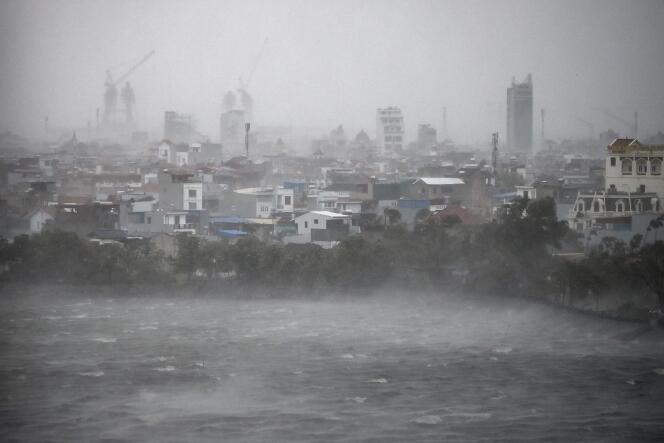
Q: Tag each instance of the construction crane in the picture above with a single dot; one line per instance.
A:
(245, 97)
(128, 98)
(245, 85)
(633, 126)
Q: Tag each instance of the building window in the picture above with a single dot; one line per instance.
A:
(192, 206)
(581, 206)
(638, 206)
(596, 206)
(656, 166)
(620, 206)
(642, 189)
(149, 220)
(315, 221)
(287, 200)
(192, 193)
(641, 166)
(627, 166)
(613, 161)
(306, 225)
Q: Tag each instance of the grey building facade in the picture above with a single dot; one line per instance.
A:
(520, 115)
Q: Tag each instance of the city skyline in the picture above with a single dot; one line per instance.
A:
(324, 64)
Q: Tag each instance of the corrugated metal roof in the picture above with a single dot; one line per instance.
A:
(438, 181)
(329, 214)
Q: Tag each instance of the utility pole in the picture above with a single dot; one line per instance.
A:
(494, 157)
(636, 124)
(246, 138)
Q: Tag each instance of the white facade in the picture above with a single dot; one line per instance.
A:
(389, 130)
(166, 152)
(284, 199)
(192, 196)
(38, 220)
(529, 192)
(634, 168)
(267, 200)
(318, 220)
(182, 158)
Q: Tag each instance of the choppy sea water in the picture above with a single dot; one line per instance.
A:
(380, 369)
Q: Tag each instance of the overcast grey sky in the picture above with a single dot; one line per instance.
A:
(334, 62)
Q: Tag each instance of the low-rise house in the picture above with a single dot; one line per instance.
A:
(41, 218)
(180, 190)
(84, 218)
(433, 188)
(262, 202)
(322, 227)
(633, 195)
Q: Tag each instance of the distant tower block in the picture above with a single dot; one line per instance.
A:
(129, 99)
(520, 115)
(389, 130)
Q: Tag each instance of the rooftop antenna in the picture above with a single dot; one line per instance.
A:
(636, 124)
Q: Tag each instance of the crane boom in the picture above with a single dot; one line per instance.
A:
(632, 126)
(133, 68)
(255, 64)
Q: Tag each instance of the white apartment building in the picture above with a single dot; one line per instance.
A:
(389, 130)
(633, 194)
(634, 168)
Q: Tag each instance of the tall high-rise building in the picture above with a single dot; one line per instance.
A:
(179, 128)
(389, 130)
(520, 115)
(426, 138)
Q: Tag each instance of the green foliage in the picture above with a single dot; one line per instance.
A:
(57, 256)
(189, 253)
(511, 255)
(650, 267)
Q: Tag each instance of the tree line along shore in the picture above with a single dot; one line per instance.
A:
(517, 254)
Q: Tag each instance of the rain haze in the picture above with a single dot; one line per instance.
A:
(328, 63)
(331, 221)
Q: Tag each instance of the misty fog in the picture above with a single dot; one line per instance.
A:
(327, 63)
(317, 221)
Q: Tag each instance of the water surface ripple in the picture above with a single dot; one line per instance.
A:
(380, 369)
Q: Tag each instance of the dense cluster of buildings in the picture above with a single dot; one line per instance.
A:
(346, 184)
